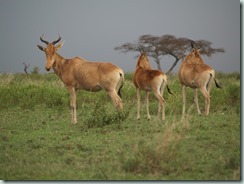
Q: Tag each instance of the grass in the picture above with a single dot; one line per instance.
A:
(38, 142)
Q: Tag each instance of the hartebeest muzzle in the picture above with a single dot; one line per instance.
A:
(48, 68)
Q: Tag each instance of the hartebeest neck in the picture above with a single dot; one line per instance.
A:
(143, 62)
(192, 59)
(58, 65)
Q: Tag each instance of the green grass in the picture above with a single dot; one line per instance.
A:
(38, 141)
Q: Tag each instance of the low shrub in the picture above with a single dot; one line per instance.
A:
(105, 114)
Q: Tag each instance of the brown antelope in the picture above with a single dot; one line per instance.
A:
(195, 74)
(147, 79)
(77, 73)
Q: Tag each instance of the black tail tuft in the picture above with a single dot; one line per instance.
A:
(216, 84)
(168, 90)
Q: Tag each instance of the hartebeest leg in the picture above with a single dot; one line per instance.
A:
(209, 84)
(196, 101)
(147, 105)
(207, 100)
(159, 104)
(138, 103)
(73, 104)
(159, 110)
(116, 99)
(183, 99)
(161, 101)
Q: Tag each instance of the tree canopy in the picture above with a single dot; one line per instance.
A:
(157, 46)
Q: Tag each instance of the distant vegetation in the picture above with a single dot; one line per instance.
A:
(38, 142)
(177, 48)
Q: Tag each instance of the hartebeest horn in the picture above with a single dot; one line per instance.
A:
(44, 41)
(192, 44)
(54, 42)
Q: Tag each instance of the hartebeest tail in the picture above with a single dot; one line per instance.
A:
(169, 91)
(120, 84)
(216, 84)
(78, 73)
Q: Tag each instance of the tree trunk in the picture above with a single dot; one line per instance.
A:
(174, 64)
(158, 63)
(26, 67)
(26, 71)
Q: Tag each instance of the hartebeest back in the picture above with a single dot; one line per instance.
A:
(195, 74)
(147, 79)
(77, 73)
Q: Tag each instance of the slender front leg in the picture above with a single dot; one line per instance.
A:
(73, 104)
(138, 103)
(183, 100)
(196, 101)
(147, 105)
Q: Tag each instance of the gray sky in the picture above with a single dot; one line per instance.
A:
(92, 28)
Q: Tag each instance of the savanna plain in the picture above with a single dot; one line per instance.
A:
(38, 141)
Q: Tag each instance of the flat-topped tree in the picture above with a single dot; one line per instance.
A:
(158, 46)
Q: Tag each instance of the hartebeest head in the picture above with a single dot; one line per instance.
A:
(143, 60)
(50, 51)
(195, 49)
(194, 57)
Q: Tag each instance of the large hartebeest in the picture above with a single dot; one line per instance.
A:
(147, 79)
(77, 73)
(195, 74)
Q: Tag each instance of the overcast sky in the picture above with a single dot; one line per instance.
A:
(92, 28)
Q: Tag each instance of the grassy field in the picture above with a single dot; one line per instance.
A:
(38, 141)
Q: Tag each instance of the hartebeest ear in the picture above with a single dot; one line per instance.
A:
(41, 48)
(59, 46)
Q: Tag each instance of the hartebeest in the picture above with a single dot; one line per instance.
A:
(195, 74)
(77, 73)
(147, 79)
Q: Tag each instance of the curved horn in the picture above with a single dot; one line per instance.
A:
(192, 43)
(44, 41)
(54, 42)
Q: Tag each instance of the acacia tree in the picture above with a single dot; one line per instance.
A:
(158, 46)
